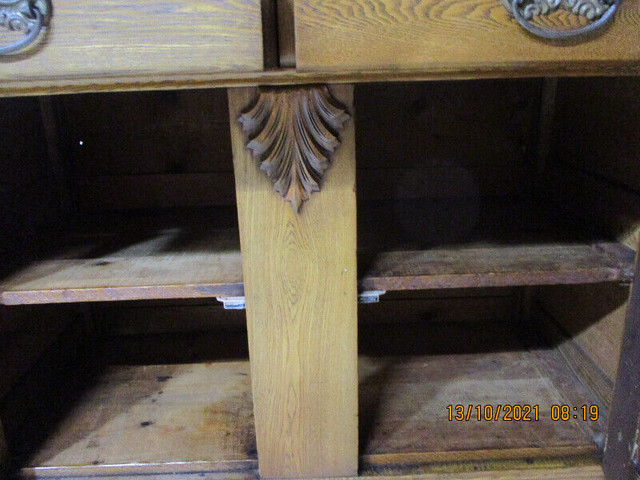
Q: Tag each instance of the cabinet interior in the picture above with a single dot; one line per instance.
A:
(499, 216)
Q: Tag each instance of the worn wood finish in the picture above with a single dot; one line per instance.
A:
(196, 254)
(300, 284)
(103, 39)
(429, 35)
(571, 473)
(289, 76)
(155, 419)
(204, 410)
(494, 267)
(625, 409)
(468, 363)
(143, 257)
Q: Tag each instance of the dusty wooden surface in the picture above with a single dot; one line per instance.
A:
(494, 267)
(428, 35)
(160, 418)
(144, 257)
(140, 417)
(300, 284)
(195, 253)
(103, 39)
(571, 473)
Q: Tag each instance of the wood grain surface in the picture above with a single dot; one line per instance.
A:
(495, 267)
(195, 253)
(145, 418)
(138, 257)
(437, 34)
(300, 285)
(111, 38)
(155, 418)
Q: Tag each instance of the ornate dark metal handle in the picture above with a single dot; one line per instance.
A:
(27, 16)
(600, 12)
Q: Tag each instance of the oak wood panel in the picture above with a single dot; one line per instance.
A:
(98, 38)
(290, 76)
(436, 34)
(300, 283)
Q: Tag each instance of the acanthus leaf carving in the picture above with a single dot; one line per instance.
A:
(294, 134)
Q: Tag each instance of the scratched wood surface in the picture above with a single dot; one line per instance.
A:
(155, 417)
(139, 417)
(433, 35)
(590, 472)
(195, 253)
(169, 255)
(143, 37)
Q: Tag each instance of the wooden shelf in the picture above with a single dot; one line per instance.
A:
(196, 254)
(183, 254)
(197, 417)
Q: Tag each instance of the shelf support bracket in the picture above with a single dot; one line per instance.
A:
(239, 303)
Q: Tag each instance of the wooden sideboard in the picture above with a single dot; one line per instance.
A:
(471, 316)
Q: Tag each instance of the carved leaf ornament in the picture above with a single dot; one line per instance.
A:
(294, 133)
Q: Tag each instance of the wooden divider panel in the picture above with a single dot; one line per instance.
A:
(300, 285)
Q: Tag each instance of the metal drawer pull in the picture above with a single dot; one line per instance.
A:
(27, 16)
(600, 12)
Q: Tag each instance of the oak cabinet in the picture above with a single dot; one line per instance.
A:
(323, 270)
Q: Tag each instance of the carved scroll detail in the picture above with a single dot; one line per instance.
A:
(294, 132)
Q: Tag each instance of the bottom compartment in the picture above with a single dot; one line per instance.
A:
(169, 391)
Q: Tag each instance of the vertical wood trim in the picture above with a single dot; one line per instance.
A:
(301, 292)
(286, 33)
(625, 410)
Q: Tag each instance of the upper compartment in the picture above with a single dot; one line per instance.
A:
(453, 36)
(139, 39)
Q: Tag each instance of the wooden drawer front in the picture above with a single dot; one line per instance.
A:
(445, 35)
(143, 37)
